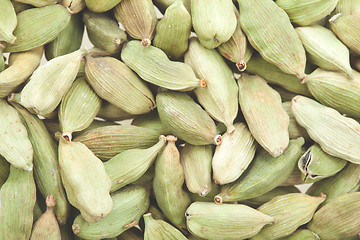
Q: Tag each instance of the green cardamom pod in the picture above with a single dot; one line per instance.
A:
(146, 178)
(138, 18)
(215, 190)
(296, 177)
(226, 221)
(37, 210)
(173, 31)
(153, 66)
(219, 98)
(262, 108)
(264, 174)
(31, 32)
(351, 7)
(130, 204)
(186, 119)
(151, 120)
(167, 184)
(17, 197)
(74, 6)
(101, 5)
(233, 155)
(295, 130)
(4, 170)
(8, 22)
(270, 32)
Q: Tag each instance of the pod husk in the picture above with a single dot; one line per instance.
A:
(351, 7)
(295, 130)
(74, 6)
(8, 22)
(151, 120)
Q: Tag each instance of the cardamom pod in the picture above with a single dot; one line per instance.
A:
(262, 108)
(232, 221)
(296, 177)
(351, 7)
(153, 66)
(101, 5)
(74, 6)
(8, 22)
(151, 120)
(186, 119)
(295, 130)
(233, 155)
(270, 32)
(167, 184)
(325, 49)
(37, 210)
(215, 190)
(219, 98)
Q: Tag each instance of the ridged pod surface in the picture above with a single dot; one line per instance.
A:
(46, 165)
(38, 26)
(101, 5)
(338, 219)
(196, 162)
(167, 184)
(295, 130)
(8, 22)
(253, 182)
(113, 81)
(186, 119)
(325, 49)
(290, 211)
(21, 66)
(337, 135)
(151, 120)
(129, 205)
(160, 230)
(86, 182)
(307, 12)
(302, 234)
(110, 112)
(173, 31)
(68, 40)
(130, 165)
(262, 108)
(226, 221)
(214, 21)
(17, 197)
(78, 108)
(351, 7)
(138, 18)
(219, 97)
(153, 66)
(106, 142)
(74, 6)
(39, 3)
(50, 82)
(47, 227)
(270, 32)
(233, 155)
(15, 145)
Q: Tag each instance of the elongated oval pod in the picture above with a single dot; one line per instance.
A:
(237, 48)
(173, 31)
(46, 166)
(160, 230)
(162, 5)
(196, 162)
(153, 66)
(347, 28)
(130, 165)
(186, 119)
(325, 49)
(290, 211)
(211, 221)
(17, 197)
(264, 114)
(351, 7)
(106, 142)
(295, 130)
(138, 18)
(217, 25)
(253, 182)
(338, 219)
(15, 145)
(219, 98)
(103, 31)
(113, 81)
(151, 120)
(130, 204)
(47, 227)
(307, 12)
(101, 5)
(4, 170)
(167, 184)
(233, 155)
(50, 82)
(86, 183)
(31, 32)
(8, 22)
(337, 135)
(346, 181)
(78, 108)
(270, 32)
(257, 65)
(110, 112)
(68, 40)
(315, 164)
(21, 66)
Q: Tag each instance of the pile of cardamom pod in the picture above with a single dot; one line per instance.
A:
(232, 104)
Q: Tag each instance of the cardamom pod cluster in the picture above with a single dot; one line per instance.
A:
(179, 119)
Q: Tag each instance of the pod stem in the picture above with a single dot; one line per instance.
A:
(146, 42)
(218, 200)
(241, 65)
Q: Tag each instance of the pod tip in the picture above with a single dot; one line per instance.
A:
(218, 200)
(171, 138)
(145, 42)
(76, 228)
(50, 201)
(218, 139)
(202, 83)
(241, 65)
